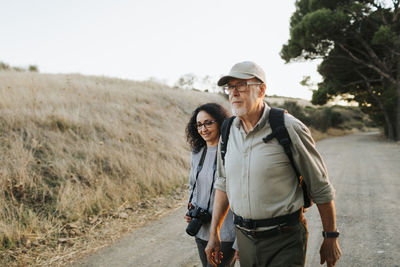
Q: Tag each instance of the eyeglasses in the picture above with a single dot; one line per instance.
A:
(206, 124)
(240, 87)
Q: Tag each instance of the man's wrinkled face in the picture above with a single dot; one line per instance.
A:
(244, 97)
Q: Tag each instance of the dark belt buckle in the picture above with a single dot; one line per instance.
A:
(252, 233)
(249, 224)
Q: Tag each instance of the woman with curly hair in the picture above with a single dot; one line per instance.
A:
(203, 132)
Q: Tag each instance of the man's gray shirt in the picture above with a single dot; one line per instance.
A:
(258, 177)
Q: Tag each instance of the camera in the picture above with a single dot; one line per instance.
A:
(199, 216)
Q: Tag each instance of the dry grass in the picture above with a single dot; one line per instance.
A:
(77, 147)
(331, 132)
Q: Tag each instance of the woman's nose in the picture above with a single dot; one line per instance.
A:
(204, 128)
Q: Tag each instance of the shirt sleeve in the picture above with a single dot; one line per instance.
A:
(220, 182)
(235, 245)
(309, 162)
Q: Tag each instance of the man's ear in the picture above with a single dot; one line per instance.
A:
(263, 88)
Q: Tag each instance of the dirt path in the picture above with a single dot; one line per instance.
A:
(365, 172)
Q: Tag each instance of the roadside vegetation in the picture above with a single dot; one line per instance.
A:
(327, 120)
(6, 67)
(79, 152)
(358, 43)
(76, 148)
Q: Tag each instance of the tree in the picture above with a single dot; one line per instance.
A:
(33, 68)
(359, 44)
(4, 66)
(187, 81)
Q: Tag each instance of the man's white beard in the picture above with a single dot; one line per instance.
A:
(238, 112)
(242, 111)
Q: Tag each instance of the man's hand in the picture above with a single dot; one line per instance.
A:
(213, 251)
(221, 207)
(330, 251)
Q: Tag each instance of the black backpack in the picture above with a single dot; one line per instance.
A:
(279, 131)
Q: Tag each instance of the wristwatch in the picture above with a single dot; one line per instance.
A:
(330, 234)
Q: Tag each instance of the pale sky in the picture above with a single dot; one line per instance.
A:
(164, 39)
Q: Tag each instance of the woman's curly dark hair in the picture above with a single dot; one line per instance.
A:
(192, 135)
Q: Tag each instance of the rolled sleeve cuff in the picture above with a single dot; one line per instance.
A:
(324, 195)
(235, 245)
(220, 184)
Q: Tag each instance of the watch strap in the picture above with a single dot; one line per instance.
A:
(330, 234)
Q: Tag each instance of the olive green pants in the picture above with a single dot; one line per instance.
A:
(280, 247)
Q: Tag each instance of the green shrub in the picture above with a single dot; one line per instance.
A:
(323, 118)
(33, 68)
(4, 66)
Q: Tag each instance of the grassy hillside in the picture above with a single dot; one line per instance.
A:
(74, 146)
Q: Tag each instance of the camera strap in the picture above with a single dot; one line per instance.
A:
(212, 184)
(199, 168)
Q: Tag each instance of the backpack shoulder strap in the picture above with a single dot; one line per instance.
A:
(225, 130)
(280, 132)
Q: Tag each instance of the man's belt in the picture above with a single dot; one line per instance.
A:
(289, 219)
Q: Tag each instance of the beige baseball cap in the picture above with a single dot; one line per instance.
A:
(243, 70)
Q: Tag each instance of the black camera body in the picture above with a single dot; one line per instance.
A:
(199, 216)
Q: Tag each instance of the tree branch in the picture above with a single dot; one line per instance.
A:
(362, 62)
(380, 104)
(376, 5)
(373, 55)
(354, 48)
(396, 12)
(360, 81)
(369, 89)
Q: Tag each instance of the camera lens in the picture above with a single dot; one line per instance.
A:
(193, 227)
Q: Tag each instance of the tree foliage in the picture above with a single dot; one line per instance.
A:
(359, 44)
(7, 67)
(193, 82)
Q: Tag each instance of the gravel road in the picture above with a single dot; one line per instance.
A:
(365, 171)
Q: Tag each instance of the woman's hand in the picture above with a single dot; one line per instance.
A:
(187, 218)
(237, 255)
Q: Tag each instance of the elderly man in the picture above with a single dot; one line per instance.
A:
(258, 183)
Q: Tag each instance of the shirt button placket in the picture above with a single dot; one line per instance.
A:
(245, 177)
(246, 173)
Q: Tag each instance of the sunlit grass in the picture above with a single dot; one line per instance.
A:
(74, 146)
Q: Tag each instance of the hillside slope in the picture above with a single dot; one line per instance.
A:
(75, 146)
